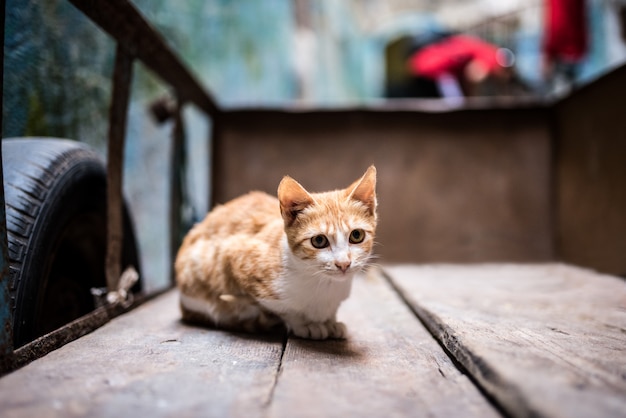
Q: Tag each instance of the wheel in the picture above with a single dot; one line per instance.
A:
(55, 198)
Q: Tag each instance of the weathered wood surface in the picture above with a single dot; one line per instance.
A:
(147, 363)
(543, 340)
(389, 367)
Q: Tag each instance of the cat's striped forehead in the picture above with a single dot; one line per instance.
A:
(335, 227)
(333, 213)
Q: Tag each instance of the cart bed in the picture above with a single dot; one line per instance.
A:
(519, 340)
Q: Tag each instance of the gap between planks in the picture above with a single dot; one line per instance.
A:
(422, 316)
(279, 368)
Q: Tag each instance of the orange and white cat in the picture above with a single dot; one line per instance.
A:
(258, 261)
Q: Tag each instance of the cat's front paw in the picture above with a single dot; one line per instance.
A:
(320, 330)
(336, 330)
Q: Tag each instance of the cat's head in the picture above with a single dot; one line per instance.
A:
(331, 232)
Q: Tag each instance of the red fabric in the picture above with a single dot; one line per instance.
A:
(565, 29)
(452, 56)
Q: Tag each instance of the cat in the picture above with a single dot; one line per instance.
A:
(259, 261)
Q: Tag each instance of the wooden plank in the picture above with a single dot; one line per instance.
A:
(147, 363)
(389, 366)
(543, 340)
(590, 172)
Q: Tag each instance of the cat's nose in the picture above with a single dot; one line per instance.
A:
(343, 265)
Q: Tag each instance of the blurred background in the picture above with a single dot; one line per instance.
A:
(305, 53)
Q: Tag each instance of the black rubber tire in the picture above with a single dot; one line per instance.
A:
(55, 198)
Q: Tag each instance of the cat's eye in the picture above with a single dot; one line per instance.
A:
(357, 236)
(319, 241)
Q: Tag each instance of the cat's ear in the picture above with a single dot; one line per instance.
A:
(293, 199)
(364, 190)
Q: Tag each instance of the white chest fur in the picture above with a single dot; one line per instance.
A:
(308, 292)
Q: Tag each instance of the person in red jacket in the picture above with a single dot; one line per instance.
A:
(459, 63)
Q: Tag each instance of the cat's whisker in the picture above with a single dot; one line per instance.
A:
(374, 266)
(320, 273)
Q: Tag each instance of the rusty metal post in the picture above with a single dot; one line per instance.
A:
(122, 76)
(177, 179)
(6, 313)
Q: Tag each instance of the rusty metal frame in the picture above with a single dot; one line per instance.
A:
(121, 20)
(135, 39)
(122, 77)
